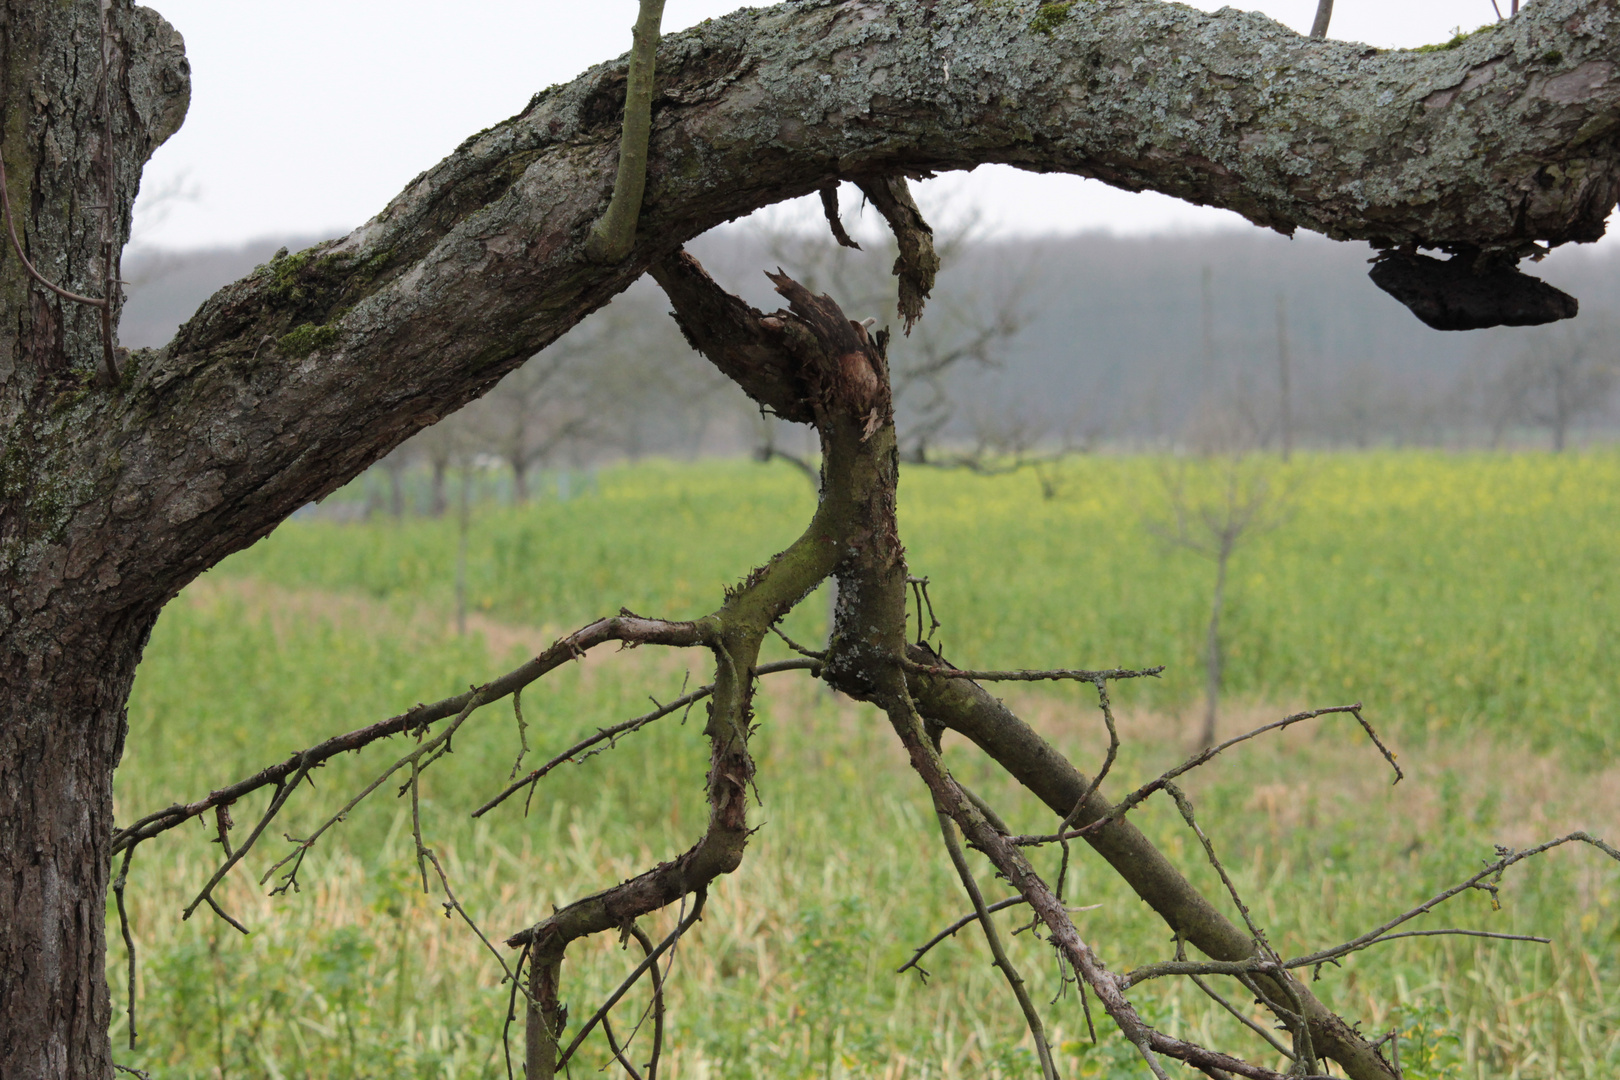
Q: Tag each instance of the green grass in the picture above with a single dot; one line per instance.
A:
(1468, 600)
(1445, 591)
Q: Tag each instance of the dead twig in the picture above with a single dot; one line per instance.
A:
(1135, 798)
(942, 671)
(630, 629)
(609, 734)
(652, 958)
(129, 939)
(949, 931)
(992, 938)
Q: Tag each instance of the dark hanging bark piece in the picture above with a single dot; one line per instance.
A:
(829, 207)
(1450, 295)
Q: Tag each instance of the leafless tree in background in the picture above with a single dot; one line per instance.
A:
(1564, 374)
(1213, 505)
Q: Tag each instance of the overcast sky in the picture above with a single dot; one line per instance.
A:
(308, 115)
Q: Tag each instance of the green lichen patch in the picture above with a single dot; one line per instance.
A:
(1048, 17)
(305, 339)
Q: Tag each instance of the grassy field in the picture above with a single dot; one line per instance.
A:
(1468, 600)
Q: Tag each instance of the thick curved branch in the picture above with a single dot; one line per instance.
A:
(320, 363)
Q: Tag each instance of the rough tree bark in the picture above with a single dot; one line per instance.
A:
(290, 382)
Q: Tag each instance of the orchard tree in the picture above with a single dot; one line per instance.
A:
(124, 475)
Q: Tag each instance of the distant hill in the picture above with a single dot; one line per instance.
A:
(1116, 345)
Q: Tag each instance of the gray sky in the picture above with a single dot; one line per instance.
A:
(308, 115)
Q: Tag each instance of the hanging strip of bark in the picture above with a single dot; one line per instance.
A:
(918, 264)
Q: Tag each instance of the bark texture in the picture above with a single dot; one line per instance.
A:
(65, 665)
(293, 380)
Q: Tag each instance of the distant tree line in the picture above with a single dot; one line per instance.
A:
(1220, 341)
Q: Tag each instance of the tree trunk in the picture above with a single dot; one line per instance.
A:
(520, 480)
(61, 734)
(1212, 650)
(437, 503)
(67, 655)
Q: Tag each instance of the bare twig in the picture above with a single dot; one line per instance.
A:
(417, 759)
(522, 729)
(657, 1002)
(1135, 798)
(1299, 1027)
(641, 968)
(283, 791)
(970, 917)
(129, 939)
(608, 734)
(941, 671)
(615, 232)
(1502, 863)
(221, 912)
(630, 629)
(1324, 15)
(919, 591)
(613, 1044)
(992, 937)
(1270, 1039)
(1106, 706)
(109, 358)
(451, 903)
(795, 646)
(511, 1009)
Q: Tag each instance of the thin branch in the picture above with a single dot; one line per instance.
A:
(1299, 1027)
(1502, 863)
(970, 917)
(283, 792)
(941, 671)
(16, 245)
(1135, 798)
(770, 451)
(1324, 15)
(1079, 807)
(615, 232)
(613, 1044)
(451, 903)
(1270, 1039)
(511, 1010)
(630, 629)
(795, 646)
(129, 939)
(624, 987)
(608, 734)
(657, 1002)
(992, 937)
(429, 750)
(221, 912)
(523, 732)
